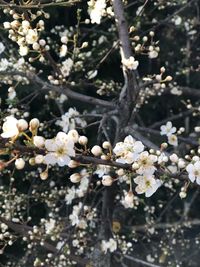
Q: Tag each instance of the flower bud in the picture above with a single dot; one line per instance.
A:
(182, 194)
(83, 140)
(107, 180)
(34, 124)
(96, 151)
(181, 164)
(19, 163)
(39, 159)
(44, 175)
(38, 141)
(73, 134)
(64, 39)
(168, 79)
(6, 25)
(75, 178)
(120, 172)
(106, 145)
(22, 125)
(32, 161)
(129, 198)
(174, 158)
(84, 45)
(73, 164)
(36, 46)
(135, 166)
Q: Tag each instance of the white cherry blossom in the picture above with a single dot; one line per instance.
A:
(173, 140)
(110, 244)
(167, 129)
(194, 172)
(130, 63)
(96, 10)
(146, 163)
(147, 184)
(10, 128)
(129, 150)
(60, 149)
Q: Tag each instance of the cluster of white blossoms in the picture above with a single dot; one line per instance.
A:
(75, 216)
(71, 120)
(110, 245)
(130, 63)
(143, 163)
(96, 10)
(24, 35)
(66, 67)
(169, 131)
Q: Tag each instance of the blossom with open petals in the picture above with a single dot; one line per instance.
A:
(129, 150)
(194, 172)
(167, 129)
(10, 128)
(60, 149)
(146, 163)
(147, 184)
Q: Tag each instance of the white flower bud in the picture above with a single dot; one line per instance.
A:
(132, 29)
(23, 50)
(75, 178)
(6, 25)
(164, 145)
(83, 140)
(73, 134)
(106, 145)
(15, 24)
(105, 157)
(145, 39)
(64, 39)
(44, 175)
(107, 180)
(38, 141)
(151, 33)
(182, 194)
(36, 46)
(168, 79)
(22, 125)
(39, 159)
(174, 158)
(32, 161)
(162, 69)
(84, 45)
(135, 166)
(42, 42)
(120, 172)
(25, 24)
(181, 164)
(19, 163)
(158, 77)
(96, 151)
(34, 124)
(195, 158)
(73, 164)
(129, 197)
(197, 129)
